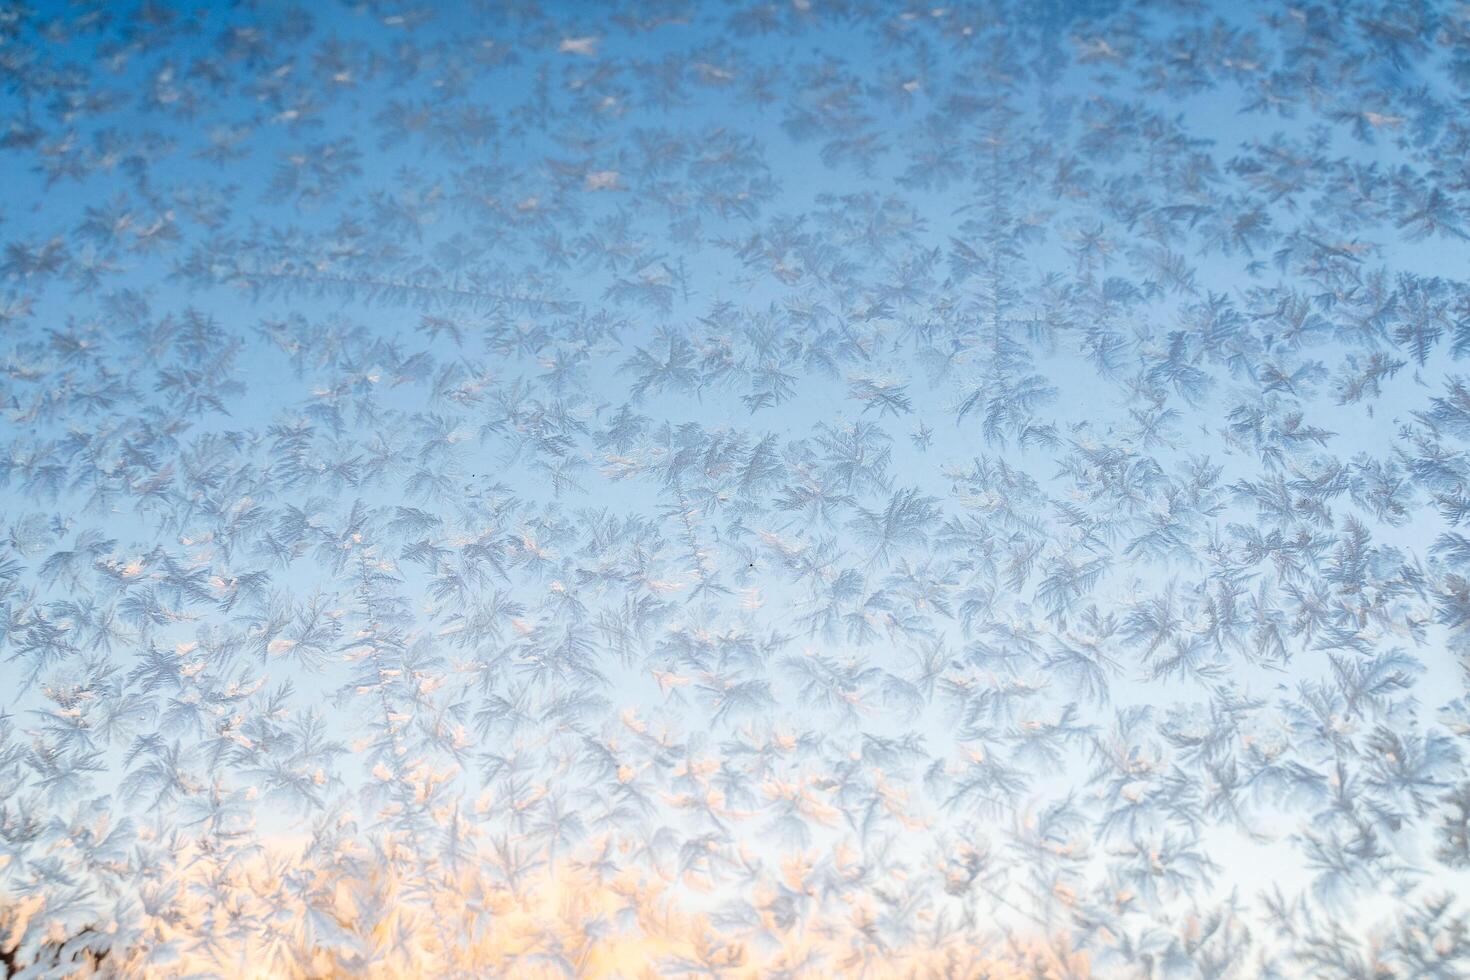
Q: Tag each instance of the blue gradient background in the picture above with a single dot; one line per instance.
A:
(348, 630)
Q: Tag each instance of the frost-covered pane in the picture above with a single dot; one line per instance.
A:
(828, 488)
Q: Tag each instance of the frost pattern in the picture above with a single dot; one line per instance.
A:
(680, 488)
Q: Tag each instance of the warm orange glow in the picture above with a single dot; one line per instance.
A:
(286, 917)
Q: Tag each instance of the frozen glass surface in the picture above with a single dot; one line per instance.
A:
(800, 489)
